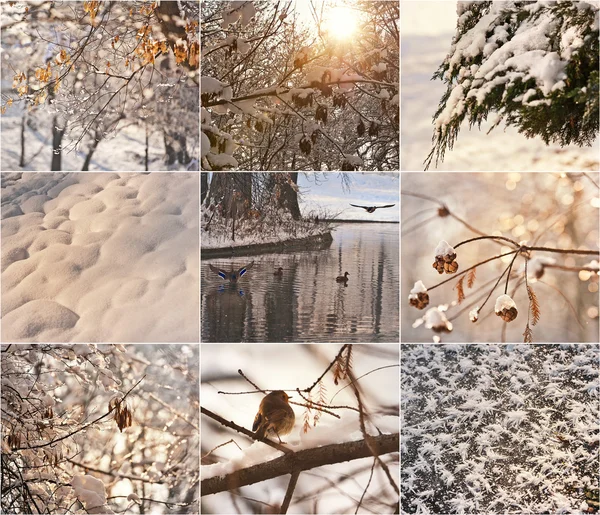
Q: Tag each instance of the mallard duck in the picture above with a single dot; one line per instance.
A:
(371, 209)
(278, 272)
(232, 276)
(342, 278)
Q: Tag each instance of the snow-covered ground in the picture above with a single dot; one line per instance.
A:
(424, 47)
(124, 152)
(100, 257)
(499, 428)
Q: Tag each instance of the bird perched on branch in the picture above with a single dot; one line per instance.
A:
(275, 416)
(233, 275)
(371, 209)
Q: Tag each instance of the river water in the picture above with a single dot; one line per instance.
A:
(306, 304)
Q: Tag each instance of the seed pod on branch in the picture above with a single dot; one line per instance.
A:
(360, 128)
(506, 308)
(122, 413)
(373, 129)
(305, 145)
(321, 114)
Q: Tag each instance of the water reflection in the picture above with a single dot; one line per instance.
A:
(305, 303)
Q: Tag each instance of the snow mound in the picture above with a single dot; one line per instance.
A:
(105, 257)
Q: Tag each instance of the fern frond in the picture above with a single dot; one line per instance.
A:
(528, 334)
(460, 290)
(534, 306)
(471, 278)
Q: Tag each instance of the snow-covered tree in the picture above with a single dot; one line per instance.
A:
(99, 428)
(96, 66)
(281, 93)
(533, 64)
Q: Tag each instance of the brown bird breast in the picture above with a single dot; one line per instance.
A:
(275, 416)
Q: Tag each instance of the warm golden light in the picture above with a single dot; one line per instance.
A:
(341, 23)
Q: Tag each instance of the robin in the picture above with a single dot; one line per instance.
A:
(275, 416)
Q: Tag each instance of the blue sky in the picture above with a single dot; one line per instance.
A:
(366, 189)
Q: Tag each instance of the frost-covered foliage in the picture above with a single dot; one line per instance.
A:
(279, 98)
(265, 214)
(62, 451)
(83, 71)
(535, 64)
(500, 428)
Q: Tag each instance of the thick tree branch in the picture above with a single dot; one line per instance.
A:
(300, 461)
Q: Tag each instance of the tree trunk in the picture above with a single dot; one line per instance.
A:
(23, 123)
(284, 185)
(203, 186)
(88, 158)
(147, 149)
(231, 190)
(169, 149)
(57, 136)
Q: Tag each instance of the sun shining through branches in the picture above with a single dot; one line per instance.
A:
(341, 23)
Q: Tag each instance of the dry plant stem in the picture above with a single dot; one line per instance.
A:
(494, 287)
(166, 503)
(114, 474)
(572, 268)
(366, 487)
(85, 426)
(582, 252)
(243, 430)
(450, 213)
(469, 305)
(566, 300)
(302, 460)
(368, 438)
(509, 269)
(420, 224)
(315, 405)
(221, 445)
(471, 268)
(242, 374)
(290, 491)
(307, 390)
(512, 242)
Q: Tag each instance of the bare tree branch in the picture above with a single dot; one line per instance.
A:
(300, 461)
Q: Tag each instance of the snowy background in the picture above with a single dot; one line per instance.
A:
(427, 29)
(100, 257)
(125, 151)
(499, 428)
(289, 367)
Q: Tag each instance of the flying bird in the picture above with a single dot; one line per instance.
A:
(371, 209)
(233, 275)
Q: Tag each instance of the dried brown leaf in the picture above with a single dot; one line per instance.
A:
(471, 278)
